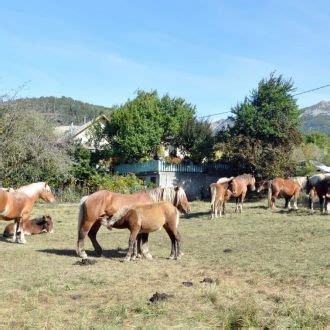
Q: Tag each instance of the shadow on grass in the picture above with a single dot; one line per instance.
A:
(118, 253)
(196, 214)
(262, 207)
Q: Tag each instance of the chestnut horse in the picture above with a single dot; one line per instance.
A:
(103, 203)
(17, 205)
(239, 186)
(277, 188)
(40, 225)
(146, 219)
(319, 185)
(220, 194)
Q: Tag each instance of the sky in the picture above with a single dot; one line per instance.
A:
(211, 53)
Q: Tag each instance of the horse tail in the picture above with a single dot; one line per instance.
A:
(118, 215)
(81, 215)
(269, 193)
(212, 193)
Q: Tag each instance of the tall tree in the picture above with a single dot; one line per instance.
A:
(265, 129)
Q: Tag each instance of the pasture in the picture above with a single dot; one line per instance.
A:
(268, 269)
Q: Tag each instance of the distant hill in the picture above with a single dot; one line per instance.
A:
(316, 118)
(62, 110)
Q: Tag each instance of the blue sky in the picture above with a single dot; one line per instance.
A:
(212, 53)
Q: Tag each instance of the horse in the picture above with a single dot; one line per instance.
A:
(279, 187)
(103, 203)
(146, 219)
(224, 179)
(239, 186)
(319, 185)
(40, 225)
(17, 205)
(220, 194)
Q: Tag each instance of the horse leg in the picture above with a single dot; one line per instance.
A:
(322, 200)
(311, 204)
(92, 236)
(287, 203)
(15, 231)
(220, 208)
(83, 231)
(173, 242)
(241, 202)
(295, 201)
(144, 246)
(178, 245)
(132, 239)
(237, 205)
(20, 238)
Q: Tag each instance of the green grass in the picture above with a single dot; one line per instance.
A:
(270, 269)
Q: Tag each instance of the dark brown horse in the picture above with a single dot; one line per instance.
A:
(146, 219)
(319, 185)
(18, 205)
(277, 188)
(239, 186)
(40, 225)
(220, 194)
(104, 204)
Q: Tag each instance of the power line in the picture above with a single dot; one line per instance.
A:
(311, 90)
(304, 92)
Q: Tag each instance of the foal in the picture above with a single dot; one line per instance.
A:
(220, 194)
(146, 219)
(32, 227)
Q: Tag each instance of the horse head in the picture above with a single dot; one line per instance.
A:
(46, 194)
(263, 184)
(181, 200)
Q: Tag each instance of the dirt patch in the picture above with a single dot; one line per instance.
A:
(188, 284)
(160, 297)
(85, 262)
(207, 280)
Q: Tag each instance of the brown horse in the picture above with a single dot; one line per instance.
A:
(220, 194)
(146, 219)
(103, 203)
(17, 205)
(319, 185)
(40, 225)
(286, 188)
(239, 186)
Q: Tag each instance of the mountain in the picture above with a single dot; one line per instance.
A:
(316, 118)
(61, 110)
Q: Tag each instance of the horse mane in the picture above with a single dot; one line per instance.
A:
(118, 215)
(225, 179)
(32, 188)
(167, 194)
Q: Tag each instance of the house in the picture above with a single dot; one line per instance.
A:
(195, 179)
(81, 133)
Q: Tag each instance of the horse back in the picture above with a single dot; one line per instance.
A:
(14, 204)
(285, 186)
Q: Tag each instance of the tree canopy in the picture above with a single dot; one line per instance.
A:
(137, 128)
(265, 130)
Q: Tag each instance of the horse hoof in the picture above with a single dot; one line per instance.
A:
(127, 259)
(98, 254)
(171, 257)
(20, 241)
(148, 256)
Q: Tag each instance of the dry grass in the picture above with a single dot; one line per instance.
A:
(270, 269)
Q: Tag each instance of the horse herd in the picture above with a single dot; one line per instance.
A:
(149, 210)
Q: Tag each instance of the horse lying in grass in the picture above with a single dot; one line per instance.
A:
(277, 188)
(17, 205)
(40, 225)
(220, 194)
(146, 219)
(319, 185)
(104, 204)
(239, 186)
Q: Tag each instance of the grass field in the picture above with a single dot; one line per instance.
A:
(269, 269)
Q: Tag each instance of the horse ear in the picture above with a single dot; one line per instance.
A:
(176, 188)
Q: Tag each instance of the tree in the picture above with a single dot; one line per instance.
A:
(137, 128)
(29, 152)
(265, 130)
(196, 137)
